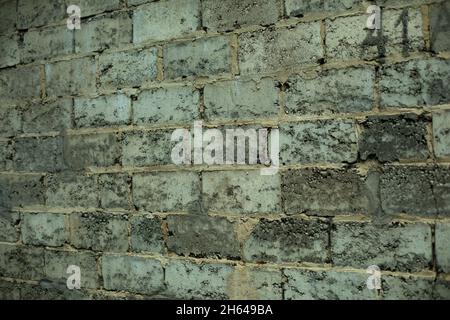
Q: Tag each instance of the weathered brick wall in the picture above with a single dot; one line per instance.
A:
(86, 176)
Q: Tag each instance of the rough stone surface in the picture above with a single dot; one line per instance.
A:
(202, 236)
(48, 229)
(415, 83)
(348, 38)
(9, 225)
(333, 91)
(242, 99)
(47, 43)
(171, 105)
(167, 191)
(441, 134)
(393, 138)
(126, 68)
(86, 150)
(440, 26)
(415, 190)
(115, 191)
(243, 192)
(9, 51)
(72, 77)
(6, 155)
(232, 14)
(185, 279)
(397, 246)
(147, 234)
(104, 32)
(321, 141)
(203, 57)
(39, 154)
(288, 240)
(99, 232)
(19, 84)
(134, 274)
(442, 246)
(279, 49)
(107, 110)
(327, 192)
(72, 190)
(49, 116)
(159, 21)
(147, 148)
(17, 261)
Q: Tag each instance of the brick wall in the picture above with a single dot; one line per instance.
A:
(86, 177)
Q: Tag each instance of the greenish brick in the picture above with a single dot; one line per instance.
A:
(73, 77)
(255, 283)
(440, 26)
(170, 105)
(198, 58)
(159, 21)
(441, 133)
(202, 236)
(393, 138)
(416, 190)
(127, 68)
(9, 225)
(442, 246)
(321, 141)
(89, 7)
(415, 83)
(441, 290)
(167, 192)
(231, 14)
(92, 150)
(243, 192)
(72, 190)
(10, 120)
(21, 190)
(303, 284)
(57, 262)
(348, 37)
(288, 240)
(279, 49)
(108, 31)
(9, 51)
(22, 83)
(300, 8)
(137, 2)
(132, 274)
(241, 99)
(47, 43)
(44, 229)
(9, 290)
(409, 287)
(327, 192)
(147, 148)
(39, 154)
(102, 111)
(30, 13)
(42, 117)
(115, 191)
(8, 16)
(6, 155)
(20, 262)
(146, 234)
(99, 231)
(47, 290)
(394, 246)
(331, 91)
(189, 280)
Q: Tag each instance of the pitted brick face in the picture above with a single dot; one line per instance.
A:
(345, 130)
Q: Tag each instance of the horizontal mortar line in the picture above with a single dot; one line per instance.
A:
(233, 216)
(91, 171)
(287, 119)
